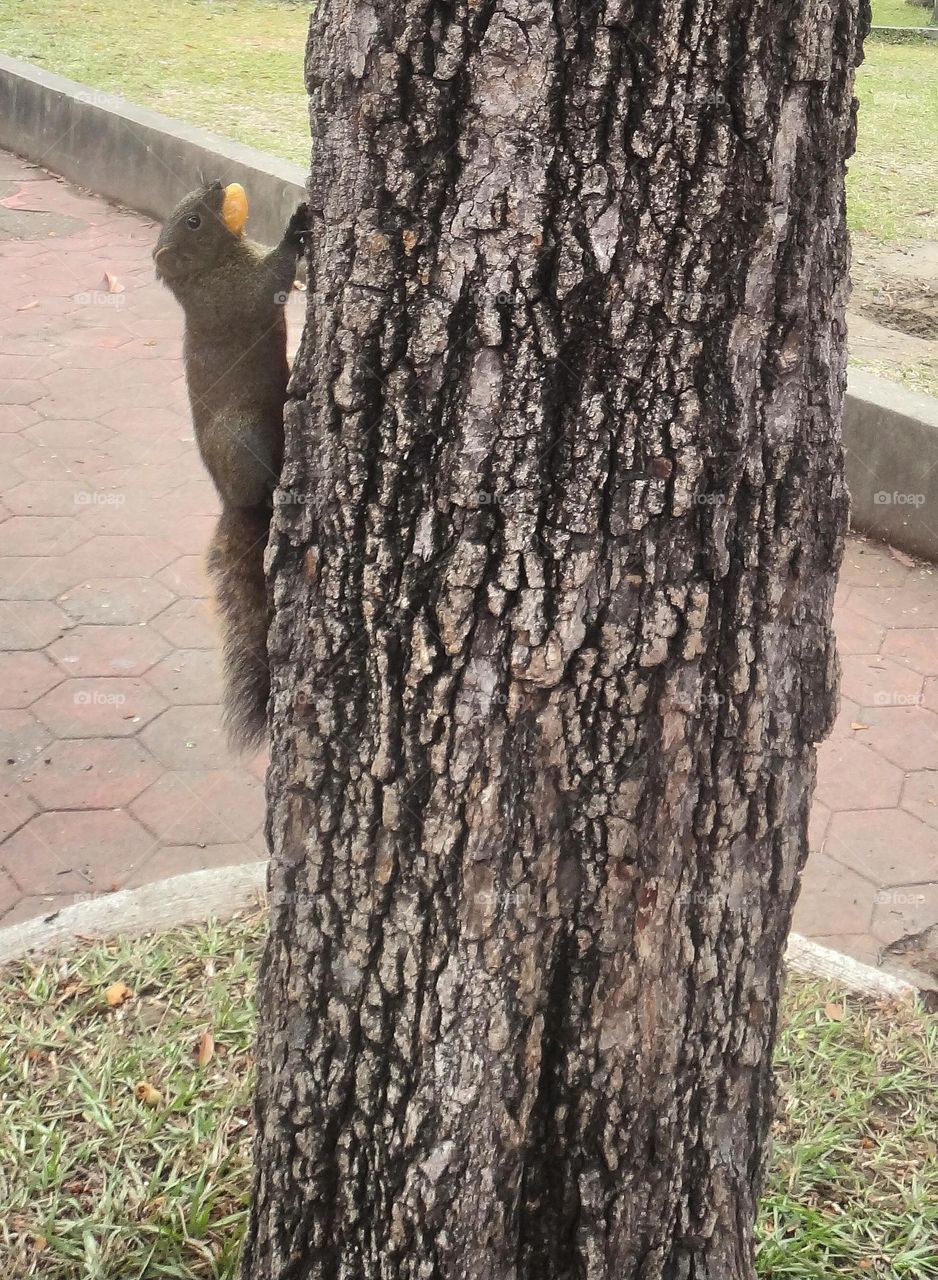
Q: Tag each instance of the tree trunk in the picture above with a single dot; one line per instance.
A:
(553, 559)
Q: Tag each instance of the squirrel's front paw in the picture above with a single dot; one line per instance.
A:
(298, 228)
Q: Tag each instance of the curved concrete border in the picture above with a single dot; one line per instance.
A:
(187, 899)
(136, 157)
(221, 892)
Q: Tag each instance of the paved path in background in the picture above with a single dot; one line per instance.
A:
(116, 771)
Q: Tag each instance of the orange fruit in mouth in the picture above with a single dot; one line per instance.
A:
(234, 209)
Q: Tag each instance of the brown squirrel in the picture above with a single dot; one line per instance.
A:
(235, 350)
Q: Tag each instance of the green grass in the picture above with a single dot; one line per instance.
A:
(892, 182)
(896, 13)
(97, 1186)
(233, 67)
(236, 66)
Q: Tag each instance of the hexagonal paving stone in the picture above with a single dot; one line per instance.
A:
(852, 776)
(16, 808)
(19, 366)
(24, 677)
(47, 905)
(905, 736)
(22, 392)
(99, 708)
(817, 823)
(873, 681)
(910, 908)
(189, 677)
(856, 634)
(930, 693)
(119, 600)
(915, 647)
(211, 807)
(42, 535)
(10, 893)
(189, 737)
(896, 607)
(869, 564)
(44, 498)
(831, 892)
(22, 739)
(862, 946)
(30, 624)
(91, 773)
(75, 852)
(119, 556)
(187, 576)
(109, 651)
(920, 798)
(887, 846)
(179, 860)
(15, 418)
(63, 433)
(189, 624)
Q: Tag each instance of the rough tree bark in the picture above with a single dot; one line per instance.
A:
(553, 562)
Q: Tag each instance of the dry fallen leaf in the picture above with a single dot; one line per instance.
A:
(113, 284)
(39, 1243)
(206, 1048)
(902, 558)
(835, 1012)
(29, 305)
(858, 724)
(146, 1094)
(117, 993)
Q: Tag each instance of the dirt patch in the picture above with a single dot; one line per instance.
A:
(910, 307)
(893, 314)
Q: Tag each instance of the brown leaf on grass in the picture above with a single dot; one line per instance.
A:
(835, 1012)
(117, 993)
(112, 283)
(39, 1243)
(206, 1050)
(146, 1094)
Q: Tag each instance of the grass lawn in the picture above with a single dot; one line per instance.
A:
(127, 1158)
(236, 66)
(233, 66)
(896, 13)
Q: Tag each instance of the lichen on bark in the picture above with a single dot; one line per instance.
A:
(553, 561)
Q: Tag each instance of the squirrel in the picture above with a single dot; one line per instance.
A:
(233, 293)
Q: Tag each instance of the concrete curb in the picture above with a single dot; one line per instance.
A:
(133, 156)
(221, 892)
(186, 899)
(891, 445)
(147, 161)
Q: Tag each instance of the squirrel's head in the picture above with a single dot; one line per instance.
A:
(200, 232)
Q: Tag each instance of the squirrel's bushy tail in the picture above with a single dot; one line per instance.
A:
(236, 566)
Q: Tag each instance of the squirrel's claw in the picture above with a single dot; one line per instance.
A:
(298, 228)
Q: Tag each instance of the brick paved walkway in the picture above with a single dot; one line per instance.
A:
(116, 772)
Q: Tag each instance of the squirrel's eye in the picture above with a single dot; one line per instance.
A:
(193, 221)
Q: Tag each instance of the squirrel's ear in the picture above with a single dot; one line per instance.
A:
(234, 209)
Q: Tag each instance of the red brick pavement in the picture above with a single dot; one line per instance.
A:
(116, 770)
